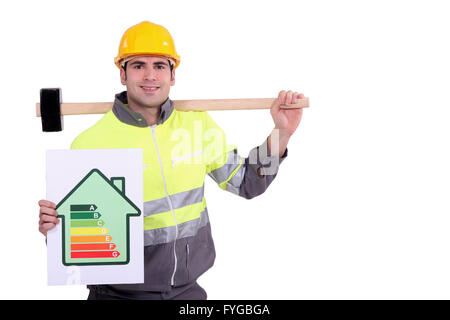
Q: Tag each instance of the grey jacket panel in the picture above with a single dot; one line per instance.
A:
(128, 116)
(246, 182)
(252, 184)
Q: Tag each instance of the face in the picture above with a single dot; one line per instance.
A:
(148, 80)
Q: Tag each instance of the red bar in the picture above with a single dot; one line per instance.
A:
(92, 246)
(94, 254)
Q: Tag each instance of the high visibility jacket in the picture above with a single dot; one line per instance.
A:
(178, 152)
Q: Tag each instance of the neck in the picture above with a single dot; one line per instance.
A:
(150, 114)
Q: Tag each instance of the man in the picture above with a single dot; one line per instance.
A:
(178, 246)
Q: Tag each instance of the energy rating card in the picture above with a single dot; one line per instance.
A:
(90, 237)
(99, 197)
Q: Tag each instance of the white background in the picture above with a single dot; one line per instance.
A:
(359, 209)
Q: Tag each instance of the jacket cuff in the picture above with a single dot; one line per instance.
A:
(269, 164)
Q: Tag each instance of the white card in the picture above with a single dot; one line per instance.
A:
(99, 198)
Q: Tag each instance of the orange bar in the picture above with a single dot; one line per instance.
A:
(82, 239)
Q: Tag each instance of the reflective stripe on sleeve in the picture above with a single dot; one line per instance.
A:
(235, 182)
(223, 173)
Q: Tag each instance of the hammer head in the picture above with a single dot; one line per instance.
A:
(52, 120)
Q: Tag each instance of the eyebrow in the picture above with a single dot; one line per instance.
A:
(154, 63)
(161, 63)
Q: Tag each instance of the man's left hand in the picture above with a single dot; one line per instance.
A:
(286, 120)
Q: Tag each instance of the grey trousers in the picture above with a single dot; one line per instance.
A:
(191, 291)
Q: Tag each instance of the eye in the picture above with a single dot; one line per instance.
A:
(160, 67)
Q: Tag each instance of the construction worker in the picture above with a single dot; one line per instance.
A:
(178, 246)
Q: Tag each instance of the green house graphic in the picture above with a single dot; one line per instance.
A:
(96, 221)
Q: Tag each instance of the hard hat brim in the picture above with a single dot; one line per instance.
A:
(120, 60)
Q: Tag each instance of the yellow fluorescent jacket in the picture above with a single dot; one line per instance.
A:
(178, 152)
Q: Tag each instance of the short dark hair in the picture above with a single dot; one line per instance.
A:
(124, 66)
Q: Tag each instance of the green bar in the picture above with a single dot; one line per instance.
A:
(86, 223)
(85, 215)
(83, 207)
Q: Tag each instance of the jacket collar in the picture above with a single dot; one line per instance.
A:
(128, 116)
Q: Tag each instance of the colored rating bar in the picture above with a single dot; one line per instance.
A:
(83, 239)
(85, 215)
(87, 231)
(83, 207)
(94, 254)
(92, 246)
(86, 223)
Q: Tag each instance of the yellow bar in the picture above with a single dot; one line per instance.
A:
(87, 231)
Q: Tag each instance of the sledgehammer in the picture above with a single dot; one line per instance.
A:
(51, 109)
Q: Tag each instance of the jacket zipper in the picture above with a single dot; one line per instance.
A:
(172, 279)
(187, 260)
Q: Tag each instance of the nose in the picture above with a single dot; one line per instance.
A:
(150, 74)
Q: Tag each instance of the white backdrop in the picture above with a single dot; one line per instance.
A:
(359, 209)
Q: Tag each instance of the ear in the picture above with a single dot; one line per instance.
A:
(172, 80)
(123, 76)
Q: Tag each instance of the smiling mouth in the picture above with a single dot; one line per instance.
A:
(149, 88)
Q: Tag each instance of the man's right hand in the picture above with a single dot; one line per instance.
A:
(47, 216)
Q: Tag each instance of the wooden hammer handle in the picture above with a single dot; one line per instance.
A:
(182, 105)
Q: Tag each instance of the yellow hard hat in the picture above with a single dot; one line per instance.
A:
(147, 38)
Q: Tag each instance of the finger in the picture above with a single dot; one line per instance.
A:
(46, 218)
(45, 227)
(288, 97)
(295, 98)
(282, 97)
(46, 203)
(48, 211)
